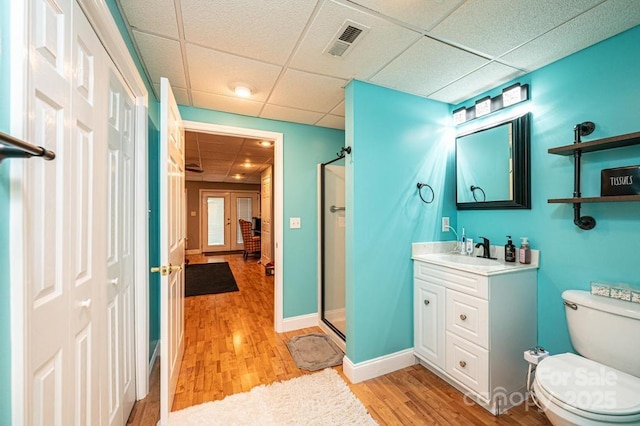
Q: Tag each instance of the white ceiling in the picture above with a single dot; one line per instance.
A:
(447, 50)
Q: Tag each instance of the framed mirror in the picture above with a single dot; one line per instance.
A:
(493, 167)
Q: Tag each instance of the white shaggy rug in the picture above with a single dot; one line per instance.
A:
(315, 399)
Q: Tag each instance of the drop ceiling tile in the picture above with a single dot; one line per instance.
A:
(486, 78)
(380, 44)
(338, 110)
(276, 112)
(225, 103)
(426, 67)
(223, 139)
(420, 13)
(333, 121)
(162, 21)
(264, 30)
(162, 58)
(209, 149)
(256, 152)
(599, 23)
(181, 95)
(216, 72)
(473, 24)
(297, 89)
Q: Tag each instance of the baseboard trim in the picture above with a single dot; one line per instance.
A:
(193, 251)
(301, 321)
(380, 366)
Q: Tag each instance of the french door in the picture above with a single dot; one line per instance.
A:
(221, 212)
(216, 218)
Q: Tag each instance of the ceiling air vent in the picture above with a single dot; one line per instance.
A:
(345, 38)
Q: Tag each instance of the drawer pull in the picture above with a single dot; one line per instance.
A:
(463, 317)
(462, 364)
(426, 301)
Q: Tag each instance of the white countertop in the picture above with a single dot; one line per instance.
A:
(444, 254)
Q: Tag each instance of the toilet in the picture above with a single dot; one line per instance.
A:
(601, 386)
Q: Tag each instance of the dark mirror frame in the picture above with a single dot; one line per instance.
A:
(521, 169)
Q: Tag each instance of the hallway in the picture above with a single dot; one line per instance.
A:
(231, 347)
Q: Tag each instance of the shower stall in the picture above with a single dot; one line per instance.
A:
(332, 249)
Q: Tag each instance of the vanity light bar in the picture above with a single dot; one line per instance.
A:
(511, 95)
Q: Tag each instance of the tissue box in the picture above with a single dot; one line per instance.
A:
(620, 181)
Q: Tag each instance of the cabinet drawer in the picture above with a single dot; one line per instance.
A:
(467, 316)
(468, 363)
(475, 285)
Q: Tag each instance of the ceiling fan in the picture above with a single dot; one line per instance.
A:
(193, 167)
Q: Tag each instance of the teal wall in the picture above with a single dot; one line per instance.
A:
(5, 334)
(598, 84)
(398, 140)
(304, 147)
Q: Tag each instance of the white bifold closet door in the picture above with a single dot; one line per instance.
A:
(78, 313)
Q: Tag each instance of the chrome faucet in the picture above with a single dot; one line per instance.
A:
(486, 248)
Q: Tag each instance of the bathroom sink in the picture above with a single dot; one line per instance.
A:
(477, 265)
(468, 260)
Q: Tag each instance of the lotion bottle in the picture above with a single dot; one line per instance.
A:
(525, 253)
(509, 250)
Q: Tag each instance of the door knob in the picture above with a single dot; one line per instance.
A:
(426, 301)
(166, 269)
(463, 317)
(462, 364)
(114, 281)
(86, 303)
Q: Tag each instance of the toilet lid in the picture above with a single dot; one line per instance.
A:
(589, 386)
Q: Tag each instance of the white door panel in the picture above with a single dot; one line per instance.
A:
(265, 212)
(119, 259)
(172, 240)
(69, 221)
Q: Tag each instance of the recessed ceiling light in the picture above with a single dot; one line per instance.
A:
(266, 144)
(242, 90)
(247, 164)
(238, 176)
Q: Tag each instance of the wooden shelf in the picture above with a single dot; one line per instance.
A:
(609, 199)
(598, 145)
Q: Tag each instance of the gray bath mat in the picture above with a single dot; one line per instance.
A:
(314, 352)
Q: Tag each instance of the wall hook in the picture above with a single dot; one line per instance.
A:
(433, 195)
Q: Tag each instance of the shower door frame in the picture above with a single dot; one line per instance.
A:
(321, 229)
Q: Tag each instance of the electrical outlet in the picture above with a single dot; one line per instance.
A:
(445, 224)
(294, 222)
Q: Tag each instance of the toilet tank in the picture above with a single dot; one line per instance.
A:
(604, 330)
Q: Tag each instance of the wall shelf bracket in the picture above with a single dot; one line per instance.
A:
(579, 130)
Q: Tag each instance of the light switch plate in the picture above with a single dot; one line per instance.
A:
(193, 214)
(294, 222)
(445, 224)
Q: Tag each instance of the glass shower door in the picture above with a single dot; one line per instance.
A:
(333, 248)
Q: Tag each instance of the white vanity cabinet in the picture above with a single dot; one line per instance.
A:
(472, 328)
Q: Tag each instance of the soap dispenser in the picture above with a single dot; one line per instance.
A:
(525, 253)
(509, 250)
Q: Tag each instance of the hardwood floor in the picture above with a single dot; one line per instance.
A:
(231, 346)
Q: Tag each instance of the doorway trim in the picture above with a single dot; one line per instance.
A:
(278, 205)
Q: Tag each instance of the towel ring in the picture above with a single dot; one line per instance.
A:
(433, 195)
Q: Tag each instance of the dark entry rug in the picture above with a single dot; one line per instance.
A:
(209, 278)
